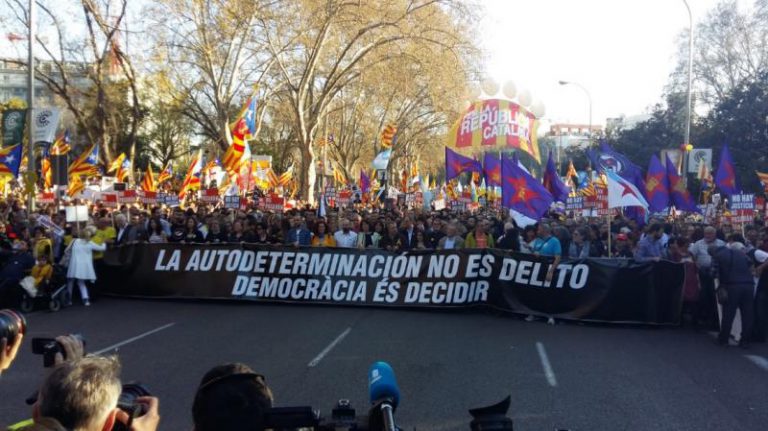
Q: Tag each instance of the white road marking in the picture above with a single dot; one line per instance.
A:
(759, 361)
(328, 348)
(132, 339)
(548, 372)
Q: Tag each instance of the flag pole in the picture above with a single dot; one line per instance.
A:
(610, 219)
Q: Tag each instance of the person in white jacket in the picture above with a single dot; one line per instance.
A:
(81, 264)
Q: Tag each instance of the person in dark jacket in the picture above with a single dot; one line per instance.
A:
(733, 269)
(18, 263)
(510, 240)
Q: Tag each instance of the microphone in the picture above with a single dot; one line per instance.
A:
(383, 392)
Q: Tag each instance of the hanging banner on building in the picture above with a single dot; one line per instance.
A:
(496, 124)
(608, 290)
(13, 126)
(44, 122)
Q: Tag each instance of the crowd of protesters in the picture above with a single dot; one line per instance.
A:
(26, 242)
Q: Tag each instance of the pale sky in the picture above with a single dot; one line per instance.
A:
(622, 51)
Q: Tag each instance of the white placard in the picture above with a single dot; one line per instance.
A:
(76, 213)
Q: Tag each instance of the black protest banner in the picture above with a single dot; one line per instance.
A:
(609, 290)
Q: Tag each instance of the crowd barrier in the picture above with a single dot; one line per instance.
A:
(604, 290)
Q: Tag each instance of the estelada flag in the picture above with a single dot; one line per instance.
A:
(86, 163)
(61, 145)
(10, 160)
(165, 175)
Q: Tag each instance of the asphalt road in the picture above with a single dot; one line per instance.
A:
(579, 377)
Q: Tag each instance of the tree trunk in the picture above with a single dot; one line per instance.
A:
(308, 175)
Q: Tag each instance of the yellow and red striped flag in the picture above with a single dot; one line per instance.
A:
(86, 163)
(47, 173)
(61, 145)
(148, 182)
(389, 136)
(286, 177)
(192, 179)
(763, 179)
(123, 171)
(76, 185)
(272, 179)
(117, 163)
(165, 175)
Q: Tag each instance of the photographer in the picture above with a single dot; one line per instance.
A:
(9, 351)
(231, 397)
(82, 395)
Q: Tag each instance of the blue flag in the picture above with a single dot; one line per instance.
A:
(679, 194)
(492, 168)
(553, 183)
(455, 164)
(523, 193)
(656, 186)
(10, 160)
(725, 178)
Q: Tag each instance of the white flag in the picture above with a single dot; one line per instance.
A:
(622, 193)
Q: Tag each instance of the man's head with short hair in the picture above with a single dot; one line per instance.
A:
(710, 233)
(231, 397)
(82, 394)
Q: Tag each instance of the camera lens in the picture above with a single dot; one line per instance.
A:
(12, 324)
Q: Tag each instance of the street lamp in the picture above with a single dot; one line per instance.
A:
(589, 98)
(31, 104)
(690, 81)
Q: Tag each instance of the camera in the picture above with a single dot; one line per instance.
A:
(49, 347)
(127, 403)
(12, 324)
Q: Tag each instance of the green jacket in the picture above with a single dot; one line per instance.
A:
(471, 242)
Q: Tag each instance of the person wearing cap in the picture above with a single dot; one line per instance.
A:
(622, 248)
(733, 269)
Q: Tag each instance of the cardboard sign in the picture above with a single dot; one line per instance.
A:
(109, 200)
(127, 196)
(76, 213)
(232, 202)
(742, 216)
(210, 196)
(171, 200)
(274, 203)
(439, 204)
(344, 198)
(148, 197)
(744, 201)
(574, 203)
(46, 198)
